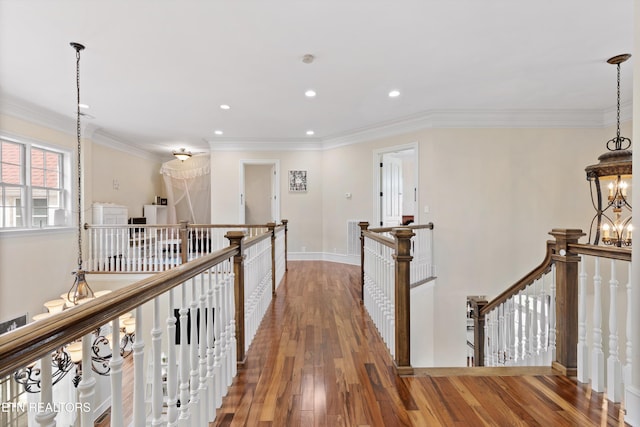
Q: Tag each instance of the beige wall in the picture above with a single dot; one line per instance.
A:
(303, 210)
(137, 178)
(36, 266)
(493, 195)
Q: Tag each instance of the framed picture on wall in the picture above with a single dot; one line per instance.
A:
(298, 181)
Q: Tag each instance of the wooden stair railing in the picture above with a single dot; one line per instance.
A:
(564, 257)
(392, 250)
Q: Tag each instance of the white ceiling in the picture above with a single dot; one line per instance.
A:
(154, 72)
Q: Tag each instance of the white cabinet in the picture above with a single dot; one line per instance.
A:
(111, 243)
(109, 214)
(155, 214)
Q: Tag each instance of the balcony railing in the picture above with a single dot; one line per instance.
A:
(199, 316)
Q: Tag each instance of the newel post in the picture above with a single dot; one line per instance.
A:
(235, 239)
(567, 269)
(286, 236)
(403, 259)
(272, 229)
(364, 225)
(477, 304)
(184, 241)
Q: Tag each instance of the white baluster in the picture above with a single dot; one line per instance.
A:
(184, 419)
(511, 342)
(527, 329)
(115, 365)
(544, 323)
(172, 366)
(194, 404)
(629, 347)
(614, 369)
(211, 394)
(521, 335)
(552, 316)
(583, 355)
(156, 379)
(217, 343)
(597, 374)
(231, 335)
(202, 353)
(86, 388)
(535, 327)
(46, 416)
(502, 333)
(487, 341)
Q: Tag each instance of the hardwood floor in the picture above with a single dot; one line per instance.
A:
(317, 360)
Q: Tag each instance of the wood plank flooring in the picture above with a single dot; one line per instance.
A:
(318, 360)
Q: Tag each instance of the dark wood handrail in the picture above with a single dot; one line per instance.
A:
(250, 241)
(543, 268)
(413, 227)
(380, 239)
(27, 344)
(610, 252)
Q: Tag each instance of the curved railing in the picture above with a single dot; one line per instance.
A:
(203, 313)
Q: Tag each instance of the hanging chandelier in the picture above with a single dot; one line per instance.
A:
(612, 221)
(80, 288)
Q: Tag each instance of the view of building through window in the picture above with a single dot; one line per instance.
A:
(31, 186)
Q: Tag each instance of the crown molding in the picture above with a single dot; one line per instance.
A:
(105, 139)
(32, 113)
(265, 145)
(434, 119)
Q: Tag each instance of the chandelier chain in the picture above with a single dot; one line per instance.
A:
(618, 106)
(79, 160)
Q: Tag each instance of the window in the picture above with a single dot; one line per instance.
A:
(33, 185)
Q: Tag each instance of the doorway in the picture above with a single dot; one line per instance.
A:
(396, 186)
(259, 191)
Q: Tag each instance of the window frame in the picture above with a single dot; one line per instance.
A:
(65, 189)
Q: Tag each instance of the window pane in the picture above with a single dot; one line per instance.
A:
(11, 174)
(37, 158)
(11, 209)
(37, 177)
(11, 153)
(39, 208)
(53, 179)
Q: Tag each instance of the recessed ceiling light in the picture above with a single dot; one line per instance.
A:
(85, 106)
(225, 107)
(394, 94)
(310, 93)
(310, 132)
(218, 132)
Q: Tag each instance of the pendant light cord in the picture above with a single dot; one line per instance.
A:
(78, 48)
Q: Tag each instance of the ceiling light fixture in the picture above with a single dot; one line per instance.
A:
(80, 288)
(310, 132)
(614, 167)
(182, 154)
(85, 106)
(394, 94)
(218, 132)
(310, 93)
(225, 107)
(308, 58)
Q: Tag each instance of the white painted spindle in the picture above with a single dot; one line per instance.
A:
(115, 365)
(597, 356)
(46, 416)
(614, 369)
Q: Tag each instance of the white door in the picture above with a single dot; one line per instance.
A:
(391, 190)
(259, 192)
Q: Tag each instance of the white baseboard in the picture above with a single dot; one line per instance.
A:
(324, 256)
(632, 405)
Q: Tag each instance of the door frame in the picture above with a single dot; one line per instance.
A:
(377, 158)
(275, 187)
